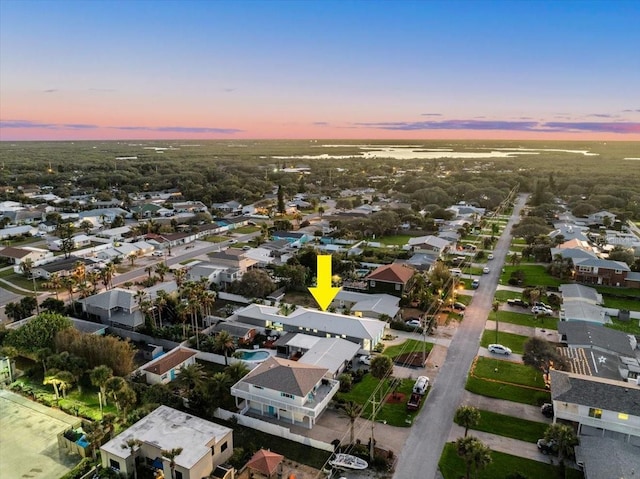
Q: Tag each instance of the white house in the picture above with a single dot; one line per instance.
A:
(165, 368)
(204, 445)
(290, 391)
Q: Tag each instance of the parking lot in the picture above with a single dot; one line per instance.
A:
(28, 439)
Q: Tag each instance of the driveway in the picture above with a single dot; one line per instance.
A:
(431, 430)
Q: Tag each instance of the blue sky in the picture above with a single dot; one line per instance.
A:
(307, 69)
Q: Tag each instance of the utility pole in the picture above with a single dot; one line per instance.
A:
(373, 424)
(35, 294)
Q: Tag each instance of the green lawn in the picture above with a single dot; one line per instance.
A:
(246, 229)
(394, 413)
(629, 327)
(513, 341)
(622, 303)
(519, 241)
(489, 371)
(394, 240)
(452, 466)
(215, 238)
(21, 282)
(509, 426)
(526, 319)
(409, 346)
(503, 295)
(535, 275)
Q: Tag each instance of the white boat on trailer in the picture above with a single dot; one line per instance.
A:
(348, 461)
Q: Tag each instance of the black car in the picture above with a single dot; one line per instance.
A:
(547, 409)
(459, 306)
(517, 302)
(547, 447)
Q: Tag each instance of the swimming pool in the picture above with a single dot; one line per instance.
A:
(257, 355)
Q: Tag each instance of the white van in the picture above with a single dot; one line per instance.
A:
(421, 385)
(456, 272)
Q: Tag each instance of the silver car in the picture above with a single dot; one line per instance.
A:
(499, 349)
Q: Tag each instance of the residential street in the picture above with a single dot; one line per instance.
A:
(432, 429)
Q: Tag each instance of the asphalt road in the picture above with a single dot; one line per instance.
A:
(430, 432)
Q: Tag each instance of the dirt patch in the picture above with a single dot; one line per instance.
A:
(410, 360)
(395, 398)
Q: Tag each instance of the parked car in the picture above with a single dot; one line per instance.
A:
(517, 302)
(547, 447)
(547, 409)
(490, 256)
(499, 349)
(365, 359)
(542, 305)
(475, 283)
(485, 270)
(157, 253)
(542, 311)
(413, 404)
(456, 272)
(421, 385)
(459, 306)
(414, 323)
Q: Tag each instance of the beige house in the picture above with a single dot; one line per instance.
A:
(204, 444)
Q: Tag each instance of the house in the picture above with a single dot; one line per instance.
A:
(78, 241)
(579, 292)
(212, 273)
(228, 207)
(242, 333)
(190, 207)
(367, 305)
(583, 311)
(604, 458)
(334, 354)
(569, 231)
(430, 244)
(604, 218)
(164, 368)
(392, 279)
(600, 271)
(115, 307)
(64, 267)
(17, 256)
(363, 331)
(204, 445)
(287, 390)
(600, 407)
(295, 239)
(236, 262)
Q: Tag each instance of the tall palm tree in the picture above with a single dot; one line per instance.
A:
(149, 270)
(107, 274)
(237, 371)
(161, 270)
(565, 438)
(179, 275)
(223, 344)
(162, 297)
(69, 283)
(218, 388)
(171, 456)
(467, 417)
(207, 300)
(473, 452)
(133, 445)
(352, 411)
(55, 282)
(182, 313)
(192, 377)
(99, 377)
(26, 267)
(114, 387)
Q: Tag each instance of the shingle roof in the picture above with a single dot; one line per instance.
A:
(604, 458)
(169, 361)
(580, 292)
(392, 273)
(286, 376)
(603, 263)
(11, 252)
(595, 392)
(582, 334)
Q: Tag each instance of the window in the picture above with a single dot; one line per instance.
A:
(287, 395)
(584, 269)
(257, 387)
(398, 287)
(594, 412)
(623, 416)
(178, 475)
(224, 447)
(114, 464)
(618, 271)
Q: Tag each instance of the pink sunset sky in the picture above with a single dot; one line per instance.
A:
(299, 70)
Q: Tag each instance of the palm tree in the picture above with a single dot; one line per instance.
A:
(107, 274)
(192, 377)
(564, 437)
(55, 282)
(171, 456)
(495, 306)
(162, 297)
(218, 387)
(473, 452)
(182, 313)
(69, 283)
(99, 377)
(149, 270)
(352, 411)
(161, 270)
(114, 387)
(179, 276)
(223, 344)
(467, 417)
(26, 267)
(133, 445)
(42, 354)
(237, 371)
(207, 300)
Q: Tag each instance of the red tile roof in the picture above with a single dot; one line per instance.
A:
(392, 273)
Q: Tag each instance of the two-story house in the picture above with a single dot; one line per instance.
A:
(600, 407)
(290, 391)
(600, 271)
(391, 279)
(204, 445)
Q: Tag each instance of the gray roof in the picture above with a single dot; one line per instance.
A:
(580, 292)
(603, 263)
(430, 240)
(333, 323)
(583, 311)
(64, 264)
(330, 353)
(633, 276)
(237, 330)
(88, 327)
(167, 428)
(376, 303)
(286, 376)
(116, 297)
(594, 392)
(606, 458)
(592, 336)
(573, 253)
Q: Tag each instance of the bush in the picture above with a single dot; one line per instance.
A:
(346, 382)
